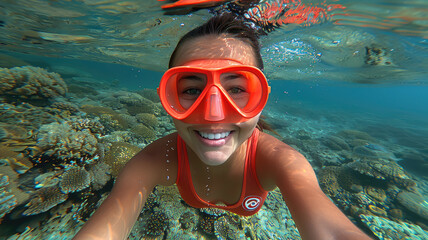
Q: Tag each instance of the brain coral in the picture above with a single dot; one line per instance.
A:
(74, 180)
(62, 141)
(120, 153)
(31, 82)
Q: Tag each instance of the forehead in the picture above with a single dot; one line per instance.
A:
(214, 46)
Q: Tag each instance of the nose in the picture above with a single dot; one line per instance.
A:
(214, 108)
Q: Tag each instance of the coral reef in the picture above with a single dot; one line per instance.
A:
(61, 226)
(7, 200)
(206, 224)
(136, 103)
(31, 82)
(80, 124)
(381, 169)
(100, 174)
(62, 141)
(355, 134)
(107, 115)
(75, 179)
(45, 199)
(67, 106)
(144, 132)
(147, 119)
(157, 223)
(48, 179)
(29, 116)
(336, 143)
(150, 94)
(387, 229)
(187, 220)
(118, 155)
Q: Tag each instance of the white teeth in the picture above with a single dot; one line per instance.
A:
(215, 136)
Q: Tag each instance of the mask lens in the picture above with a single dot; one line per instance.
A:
(244, 88)
(184, 89)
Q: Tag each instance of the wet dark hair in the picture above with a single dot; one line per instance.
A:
(229, 25)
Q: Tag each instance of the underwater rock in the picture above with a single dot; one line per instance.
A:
(31, 82)
(387, 229)
(62, 141)
(414, 202)
(7, 199)
(118, 155)
(45, 199)
(74, 180)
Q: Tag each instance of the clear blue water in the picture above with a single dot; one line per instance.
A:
(323, 80)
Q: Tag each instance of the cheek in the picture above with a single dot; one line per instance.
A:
(181, 127)
(248, 126)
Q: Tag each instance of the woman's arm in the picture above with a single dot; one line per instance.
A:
(315, 215)
(116, 216)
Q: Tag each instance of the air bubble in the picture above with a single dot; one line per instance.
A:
(167, 177)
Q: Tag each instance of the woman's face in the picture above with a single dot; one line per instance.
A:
(215, 143)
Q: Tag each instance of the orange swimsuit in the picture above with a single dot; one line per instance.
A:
(252, 196)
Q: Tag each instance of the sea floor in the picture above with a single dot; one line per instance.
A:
(64, 136)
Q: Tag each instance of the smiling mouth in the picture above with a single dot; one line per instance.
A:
(214, 136)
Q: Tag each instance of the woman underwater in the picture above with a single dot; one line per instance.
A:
(215, 92)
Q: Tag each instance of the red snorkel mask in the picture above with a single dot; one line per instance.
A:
(213, 91)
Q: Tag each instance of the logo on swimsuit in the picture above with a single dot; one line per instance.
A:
(250, 203)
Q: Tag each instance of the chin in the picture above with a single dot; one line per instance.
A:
(214, 158)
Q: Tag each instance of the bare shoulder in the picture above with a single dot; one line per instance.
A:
(274, 151)
(155, 164)
(277, 161)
